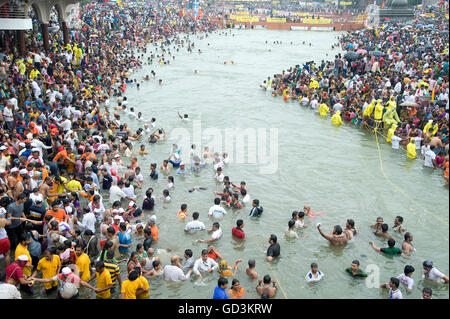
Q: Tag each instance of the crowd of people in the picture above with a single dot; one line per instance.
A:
(392, 79)
(64, 144)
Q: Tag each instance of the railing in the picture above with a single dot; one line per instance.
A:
(8, 11)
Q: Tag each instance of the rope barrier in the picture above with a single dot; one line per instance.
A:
(398, 188)
(279, 284)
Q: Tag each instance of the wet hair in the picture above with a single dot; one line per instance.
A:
(395, 281)
(239, 223)
(391, 242)
(267, 279)
(337, 230)
(273, 238)
(256, 202)
(314, 265)
(351, 222)
(155, 263)
(356, 262)
(400, 219)
(294, 213)
(216, 201)
(407, 235)
(428, 264)
(188, 252)
(426, 290)
(216, 224)
(183, 206)
(384, 228)
(291, 223)
(251, 263)
(133, 275)
(301, 214)
(204, 252)
(222, 282)
(195, 215)
(408, 269)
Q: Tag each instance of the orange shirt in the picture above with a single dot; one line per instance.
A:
(239, 293)
(62, 154)
(446, 169)
(154, 230)
(60, 215)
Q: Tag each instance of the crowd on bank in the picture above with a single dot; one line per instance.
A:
(393, 78)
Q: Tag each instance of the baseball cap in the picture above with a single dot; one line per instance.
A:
(23, 171)
(14, 169)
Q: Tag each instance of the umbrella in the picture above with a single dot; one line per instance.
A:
(420, 49)
(377, 53)
(361, 51)
(409, 104)
(351, 56)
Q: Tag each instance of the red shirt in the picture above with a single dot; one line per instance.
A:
(14, 271)
(238, 233)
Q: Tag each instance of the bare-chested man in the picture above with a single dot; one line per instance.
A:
(266, 288)
(407, 246)
(336, 237)
(251, 272)
(378, 224)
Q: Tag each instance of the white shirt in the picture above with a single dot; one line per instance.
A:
(246, 199)
(173, 273)
(202, 266)
(299, 224)
(310, 277)
(407, 281)
(8, 291)
(116, 194)
(217, 211)
(418, 140)
(434, 274)
(395, 294)
(129, 191)
(217, 234)
(194, 226)
(219, 178)
(291, 234)
(429, 157)
(395, 142)
(88, 222)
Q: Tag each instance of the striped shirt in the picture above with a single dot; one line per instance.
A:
(113, 270)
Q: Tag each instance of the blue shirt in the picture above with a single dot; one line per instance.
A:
(220, 293)
(181, 171)
(124, 239)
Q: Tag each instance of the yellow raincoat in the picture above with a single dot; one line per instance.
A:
(411, 148)
(378, 114)
(336, 118)
(369, 109)
(323, 109)
(391, 133)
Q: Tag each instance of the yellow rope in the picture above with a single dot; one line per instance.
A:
(279, 284)
(398, 188)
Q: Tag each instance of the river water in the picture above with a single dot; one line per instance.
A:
(334, 170)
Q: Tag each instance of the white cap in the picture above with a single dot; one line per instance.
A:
(14, 169)
(153, 218)
(66, 271)
(22, 258)
(117, 217)
(182, 164)
(116, 156)
(23, 171)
